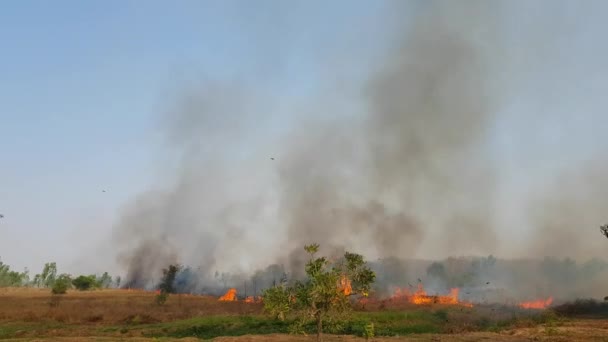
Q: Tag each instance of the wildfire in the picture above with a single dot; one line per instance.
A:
(229, 296)
(345, 286)
(252, 299)
(537, 304)
(420, 297)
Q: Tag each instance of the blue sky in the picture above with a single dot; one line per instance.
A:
(83, 84)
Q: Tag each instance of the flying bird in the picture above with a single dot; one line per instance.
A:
(271, 158)
(1, 216)
(488, 283)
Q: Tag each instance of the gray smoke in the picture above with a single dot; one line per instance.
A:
(411, 166)
(410, 173)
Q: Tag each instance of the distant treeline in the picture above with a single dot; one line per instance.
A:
(49, 276)
(482, 278)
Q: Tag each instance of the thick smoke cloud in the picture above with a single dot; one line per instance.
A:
(412, 167)
(411, 173)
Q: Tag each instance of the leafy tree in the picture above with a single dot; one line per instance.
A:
(37, 281)
(105, 281)
(11, 278)
(117, 281)
(168, 281)
(26, 277)
(61, 284)
(324, 295)
(167, 284)
(277, 300)
(84, 283)
(48, 276)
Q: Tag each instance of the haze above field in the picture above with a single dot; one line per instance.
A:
(442, 129)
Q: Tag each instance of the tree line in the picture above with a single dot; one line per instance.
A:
(58, 282)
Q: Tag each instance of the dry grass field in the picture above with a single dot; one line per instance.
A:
(110, 306)
(121, 315)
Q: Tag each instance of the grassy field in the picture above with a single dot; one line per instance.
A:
(115, 315)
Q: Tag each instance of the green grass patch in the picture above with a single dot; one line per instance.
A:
(387, 323)
(14, 330)
(215, 326)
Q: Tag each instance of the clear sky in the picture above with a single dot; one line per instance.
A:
(83, 84)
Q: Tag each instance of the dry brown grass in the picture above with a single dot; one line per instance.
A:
(110, 307)
(92, 316)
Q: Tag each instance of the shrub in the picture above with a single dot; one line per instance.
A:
(60, 287)
(84, 283)
(369, 332)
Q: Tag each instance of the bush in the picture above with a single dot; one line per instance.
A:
(60, 287)
(61, 284)
(369, 332)
(84, 283)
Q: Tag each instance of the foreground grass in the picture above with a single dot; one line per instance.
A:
(118, 315)
(387, 323)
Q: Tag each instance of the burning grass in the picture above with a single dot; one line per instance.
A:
(420, 297)
(120, 314)
(111, 307)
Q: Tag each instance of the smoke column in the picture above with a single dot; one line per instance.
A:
(412, 172)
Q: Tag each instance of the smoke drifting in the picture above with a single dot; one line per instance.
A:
(411, 174)
(412, 167)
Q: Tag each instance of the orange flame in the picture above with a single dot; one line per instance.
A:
(345, 286)
(252, 299)
(420, 297)
(229, 296)
(536, 304)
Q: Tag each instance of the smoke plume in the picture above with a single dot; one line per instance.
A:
(411, 173)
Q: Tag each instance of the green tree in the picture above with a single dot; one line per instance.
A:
(105, 281)
(61, 284)
(48, 276)
(37, 281)
(324, 294)
(84, 283)
(11, 278)
(167, 284)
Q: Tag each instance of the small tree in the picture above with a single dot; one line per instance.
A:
(61, 284)
(105, 281)
(324, 294)
(12, 278)
(167, 284)
(48, 276)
